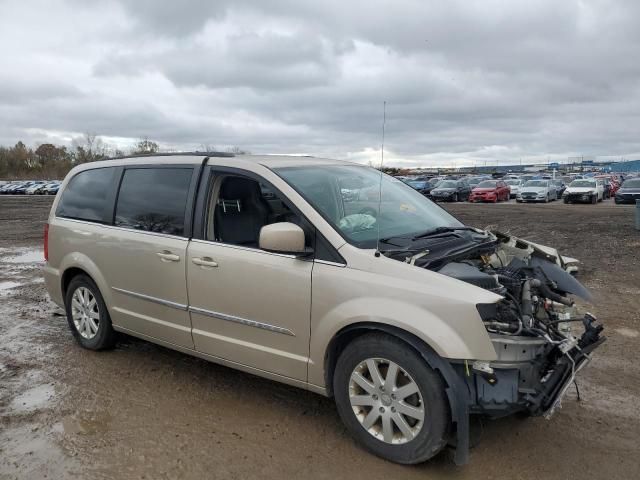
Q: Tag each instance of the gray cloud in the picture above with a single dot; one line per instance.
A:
(464, 81)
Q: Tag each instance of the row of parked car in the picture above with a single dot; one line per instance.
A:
(31, 187)
(591, 188)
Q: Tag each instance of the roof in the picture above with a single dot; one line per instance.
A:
(216, 158)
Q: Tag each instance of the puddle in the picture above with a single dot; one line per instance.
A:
(627, 332)
(32, 255)
(8, 285)
(33, 399)
(84, 424)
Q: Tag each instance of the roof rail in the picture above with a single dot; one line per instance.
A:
(173, 154)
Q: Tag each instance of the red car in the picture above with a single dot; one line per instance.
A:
(490, 191)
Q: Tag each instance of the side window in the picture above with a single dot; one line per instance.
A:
(240, 206)
(153, 199)
(86, 196)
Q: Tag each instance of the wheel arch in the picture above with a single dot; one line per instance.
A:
(458, 394)
(79, 264)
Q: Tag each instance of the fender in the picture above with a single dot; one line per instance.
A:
(83, 262)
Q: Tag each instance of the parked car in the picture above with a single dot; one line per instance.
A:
(629, 192)
(514, 186)
(21, 188)
(560, 187)
(34, 188)
(53, 189)
(451, 191)
(490, 191)
(537, 191)
(586, 190)
(414, 320)
(8, 189)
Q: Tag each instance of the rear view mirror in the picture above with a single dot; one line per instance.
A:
(283, 237)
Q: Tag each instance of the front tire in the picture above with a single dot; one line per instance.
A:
(87, 314)
(391, 401)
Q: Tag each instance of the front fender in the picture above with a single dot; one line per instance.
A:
(441, 335)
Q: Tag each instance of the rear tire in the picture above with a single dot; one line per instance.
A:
(379, 411)
(87, 314)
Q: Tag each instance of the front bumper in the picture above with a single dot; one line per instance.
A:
(530, 197)
(530, 375)
(578, 197)
(483, 197)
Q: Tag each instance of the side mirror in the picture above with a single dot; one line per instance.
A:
(283, 237)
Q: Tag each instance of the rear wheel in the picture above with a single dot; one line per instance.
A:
(391, 401)
(87, 314)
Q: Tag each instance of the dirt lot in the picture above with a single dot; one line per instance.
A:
(142, 411)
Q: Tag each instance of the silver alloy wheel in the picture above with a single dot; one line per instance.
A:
(85, 312)
(386, 401)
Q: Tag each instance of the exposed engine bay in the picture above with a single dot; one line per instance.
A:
(540, 338)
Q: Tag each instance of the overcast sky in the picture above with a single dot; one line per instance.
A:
(464, 81)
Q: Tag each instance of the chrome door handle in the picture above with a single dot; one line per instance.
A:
(204, 262)
(167, 256)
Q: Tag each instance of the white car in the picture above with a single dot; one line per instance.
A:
(584, 190)
(514, 186)
(537, 191)
(33, 189)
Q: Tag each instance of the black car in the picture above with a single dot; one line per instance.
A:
(423, 186)
(451, 191)
(629, 192)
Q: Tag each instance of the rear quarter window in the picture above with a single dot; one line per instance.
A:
(154, 199)
(86, 196)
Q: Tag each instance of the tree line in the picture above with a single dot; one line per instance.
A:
(50, 162)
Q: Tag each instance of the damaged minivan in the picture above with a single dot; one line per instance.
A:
(325, 275)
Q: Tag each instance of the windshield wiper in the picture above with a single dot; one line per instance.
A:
(439, 230)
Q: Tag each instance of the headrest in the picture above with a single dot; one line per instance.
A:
(237, 188)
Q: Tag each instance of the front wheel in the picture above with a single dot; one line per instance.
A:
(455, 197)
(87, 314)
(391, 401)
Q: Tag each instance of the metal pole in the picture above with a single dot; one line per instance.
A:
(638, 214)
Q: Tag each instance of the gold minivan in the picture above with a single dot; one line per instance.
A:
(325, 275)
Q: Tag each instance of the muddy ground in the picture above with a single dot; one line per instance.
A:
(143, 411)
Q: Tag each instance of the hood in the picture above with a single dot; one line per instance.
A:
(443, 190)
(580, 189)
(533, 189)
(484, 189)
(629, 190)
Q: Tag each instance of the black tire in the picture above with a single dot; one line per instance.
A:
(594, 199)
(455, 198)
(105, 337)
(566, 200)
(434, 433)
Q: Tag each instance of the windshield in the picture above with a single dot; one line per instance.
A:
(583, 183)
(536, 183)
(487, 184)
(447, 184)
(403, 211)
(513, 182)
(635, 183)
(417, 184)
